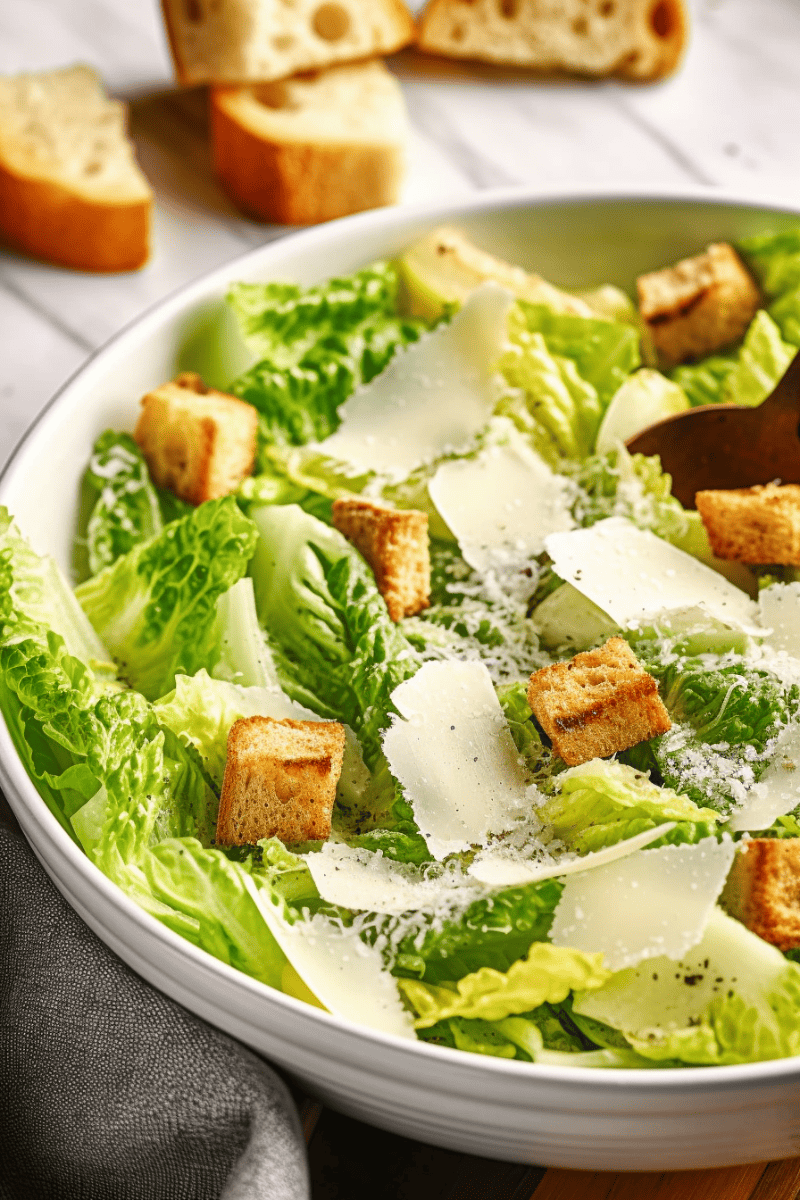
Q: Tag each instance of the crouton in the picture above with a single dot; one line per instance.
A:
(395, 544)
(763, 890)
(198, 443)
(753, 525)
(598, 703)
(280, 780)
(698, 306)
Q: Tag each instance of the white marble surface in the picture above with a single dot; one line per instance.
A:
(728, 118)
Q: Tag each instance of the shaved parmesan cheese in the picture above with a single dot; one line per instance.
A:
(434, 396)
(497, 868)
(630, 574)
(779, 606)
(666, 995)
(342, 971)
(777, 791)
(355, 878)
(654, 902)
(453, 753)
(502, 504)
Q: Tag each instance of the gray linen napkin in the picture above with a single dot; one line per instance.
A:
(111, 1091)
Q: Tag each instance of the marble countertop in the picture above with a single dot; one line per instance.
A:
(727, 119)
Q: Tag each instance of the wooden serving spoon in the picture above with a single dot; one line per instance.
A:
(725, 446)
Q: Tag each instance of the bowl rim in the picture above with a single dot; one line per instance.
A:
(39, 823)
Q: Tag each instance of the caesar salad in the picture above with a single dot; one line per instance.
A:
(393, 680)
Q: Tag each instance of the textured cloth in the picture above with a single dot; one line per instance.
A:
(111, 1091)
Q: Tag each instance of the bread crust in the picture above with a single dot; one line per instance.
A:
(280, 780)
(255, 41)
(637, 40)
(597, 704)
(47, 221)
(395, 544)
(763, 890)
(698, 306)
(198, 443)
(296, 179)
(758, 525)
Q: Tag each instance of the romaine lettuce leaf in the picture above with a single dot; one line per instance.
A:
(762, 361)
(35, 599)
(336, 649)
(547, 974)
(726, 713)
(604, 352)
(124, 506)
(156, 607)
(315, 345)
(775, 260)
(602, 802)
(558, 410)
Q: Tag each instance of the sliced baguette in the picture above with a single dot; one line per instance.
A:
(314, 147)
(71, 191)
(252, 41)
(634, 39)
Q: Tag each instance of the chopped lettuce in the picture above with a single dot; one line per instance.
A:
(602, 802)
(726, 714)
(315, 345)
(336, 649)
(156, 607)
(547, 974)
(124, 506)
(775, 260)
(604, 352)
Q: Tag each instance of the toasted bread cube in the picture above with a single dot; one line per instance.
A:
(198, 443)
(280, 780)
(395, 544)
(698, 306)
(600, 702)
(763, 890)
(753, 525)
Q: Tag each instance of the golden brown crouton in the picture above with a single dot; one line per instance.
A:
(753, 525)
(698, 306)
(395, 544)
(598, 703)
(280, 780)
(198, 443)
(763, 890)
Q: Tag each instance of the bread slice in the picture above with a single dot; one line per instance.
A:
(314, 147)
(600, 702)
(71, 191)
(634, 39)
(198, 443)
(250, 41)
(280, 780)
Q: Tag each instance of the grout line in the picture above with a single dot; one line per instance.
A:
(55, 321)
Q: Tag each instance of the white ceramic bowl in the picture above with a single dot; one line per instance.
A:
(567, 1117)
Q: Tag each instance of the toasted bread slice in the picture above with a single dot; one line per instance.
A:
(253, 41)
(635, 39)
(71, 191)
(699, 306)
(280, 780)
(753, 525)
(314, 147)
(198, 443)
(763, 890)
(395, 544)
(600, 702)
